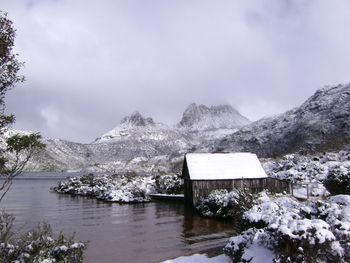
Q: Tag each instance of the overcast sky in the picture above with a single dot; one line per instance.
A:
(89, 63)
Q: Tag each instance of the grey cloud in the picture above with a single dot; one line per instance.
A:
(90, 63)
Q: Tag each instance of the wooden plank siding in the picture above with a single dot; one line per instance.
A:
(196, 189)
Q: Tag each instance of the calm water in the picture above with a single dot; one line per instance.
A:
(137, 233)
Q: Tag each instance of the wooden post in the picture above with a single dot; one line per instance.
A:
(307, 191)
(292, 188)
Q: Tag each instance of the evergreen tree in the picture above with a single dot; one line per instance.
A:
(19, 148)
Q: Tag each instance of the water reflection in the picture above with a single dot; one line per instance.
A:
(148, 232)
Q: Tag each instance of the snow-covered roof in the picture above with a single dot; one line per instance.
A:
(216, 166)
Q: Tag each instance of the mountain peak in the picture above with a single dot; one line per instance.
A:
(129, 125)
(321, 123)
(136, 119)
(201, 117)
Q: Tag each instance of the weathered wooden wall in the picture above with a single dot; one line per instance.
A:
(188, 193)
(278, 186)
(196, 189)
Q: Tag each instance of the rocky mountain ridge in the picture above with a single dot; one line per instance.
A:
(132, 125)
(201, 117)
(321, 123)
(139, 144)
(136, 119)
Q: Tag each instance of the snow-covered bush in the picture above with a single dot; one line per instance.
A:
(226, 205)
(303, 240)
(338, 180)
(37, 245)
(86, 185)
(322, 173)
(297, 168)
(6, 223)
(315, 232)
(286, 244)
(252, 243)
(238, 244)
(268, 211)
(336, 212)
(126, 189)
(169, 184)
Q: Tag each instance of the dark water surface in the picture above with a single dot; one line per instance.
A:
(137, 233)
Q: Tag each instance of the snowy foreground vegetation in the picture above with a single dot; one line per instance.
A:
(282, 228)
(120, 188)
(226, 205)
(38, 245)
(316, 231)
(328, 171)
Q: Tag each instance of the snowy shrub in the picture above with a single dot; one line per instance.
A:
(86, 185)
(338, 180)
(303, 240)
(226, 205)
(38, 245)
(129, 188)
(6, 223)
(169, 184)
(238, 247)
(336, 212)
(126, 189)
(297, 168)
(315, 232)
(268, 211)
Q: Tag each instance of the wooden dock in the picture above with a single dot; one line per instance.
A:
(165, 197)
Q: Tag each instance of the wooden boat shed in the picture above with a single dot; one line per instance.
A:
(205, 172)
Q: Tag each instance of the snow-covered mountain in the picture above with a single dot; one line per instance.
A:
(321, 123)
(201, 117)
(136, 140)
(139, 144)
(198, 122)
(138, 126)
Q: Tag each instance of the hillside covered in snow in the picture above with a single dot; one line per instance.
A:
(140, 144)
(321, 123)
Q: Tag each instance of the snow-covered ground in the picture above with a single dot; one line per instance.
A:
(199, 258)
(256, 254)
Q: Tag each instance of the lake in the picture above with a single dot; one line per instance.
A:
(137, 233)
